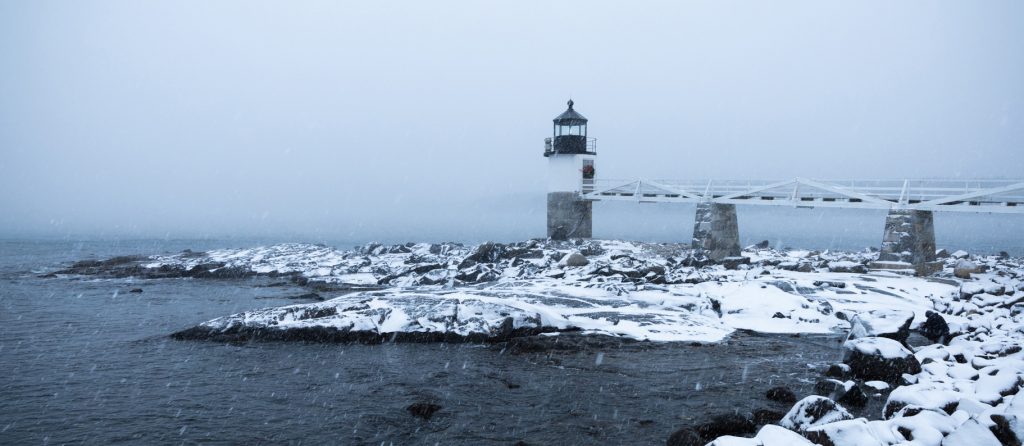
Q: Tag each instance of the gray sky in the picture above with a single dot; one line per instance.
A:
(355, 120)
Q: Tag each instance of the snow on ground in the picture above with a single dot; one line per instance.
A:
(965, 393)
(633, 290)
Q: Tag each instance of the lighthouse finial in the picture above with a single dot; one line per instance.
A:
(570, 103)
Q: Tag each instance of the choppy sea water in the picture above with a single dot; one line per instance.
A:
(85, 361)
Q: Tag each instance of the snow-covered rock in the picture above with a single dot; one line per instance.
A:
(882, 359)
(575, 259)
(892, 324)
(813, 411)
(845, 266)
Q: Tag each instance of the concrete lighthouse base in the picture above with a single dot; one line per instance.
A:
(908, 243)
(716, 231)
(569, 216)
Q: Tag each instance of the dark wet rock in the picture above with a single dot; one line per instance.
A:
(767, 416)
(726, 424)
(238, 333)
(829, 387)
(1008, 429)
(942, 254)
(716, 306)
(218, 270)
(423, 410)
(847, 394)
(735, 262)
(567, 342)
(485, 253)
(881, 359)
(853, 397)
(801, 266)
(135, 290)
(781, 394)
(685, 437)
(934, 327)
(443, 248)
(830, 283)
(763, 244)
(120, 266)
(838, 371)
(847, 267)
(697, 260)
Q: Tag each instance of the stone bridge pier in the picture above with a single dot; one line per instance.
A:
(716, 232)
(569, 216)
(908, 242)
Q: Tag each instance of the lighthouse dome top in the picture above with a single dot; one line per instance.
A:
(570, 117)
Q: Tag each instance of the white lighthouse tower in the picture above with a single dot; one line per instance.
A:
(571, 170)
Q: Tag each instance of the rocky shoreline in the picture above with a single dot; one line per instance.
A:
(929, 361)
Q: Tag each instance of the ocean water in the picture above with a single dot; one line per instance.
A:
(85, 361)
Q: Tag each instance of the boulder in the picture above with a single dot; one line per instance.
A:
(941, 254)
(763, 244)
(846, 393)
(913, 398)
(767, 416)
(1008, 429)
(971, 433)
(964, 269)
(685, 437)
(892, 324)
(844, 266)
(959, 254)
(934, 327)
(735, 262)
(1009, 426)
(854, 396)
(813, 411)
(488, 252)
(718, 426)
(857, 432)
(575, 259)
(995, 289)
(772, 435)
(877, 358)
(968, 289)
(769, 435)
(838, 371)
(726, 424)
(781, 394)
(423, 410)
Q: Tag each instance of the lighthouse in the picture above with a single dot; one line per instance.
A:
(571, 154)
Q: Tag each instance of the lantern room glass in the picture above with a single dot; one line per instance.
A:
(574, 130)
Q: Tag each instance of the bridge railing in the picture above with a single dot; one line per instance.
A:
(877, 194)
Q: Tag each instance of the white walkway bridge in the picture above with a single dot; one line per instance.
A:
(909, 239)
(996, 196)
